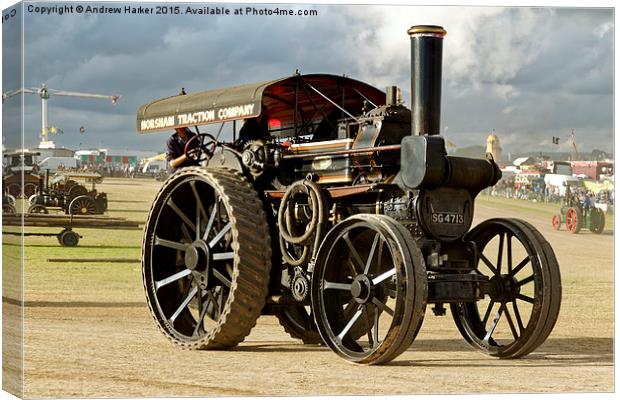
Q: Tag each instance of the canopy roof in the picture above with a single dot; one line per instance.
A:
(293, 101)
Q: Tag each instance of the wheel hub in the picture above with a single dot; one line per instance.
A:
(504, 288)
(197, 260)
(361, 289)
(197, 256)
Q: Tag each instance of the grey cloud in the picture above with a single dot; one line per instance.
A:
(527, 72)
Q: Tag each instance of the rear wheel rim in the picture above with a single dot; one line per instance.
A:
(197, 291)
(206, 258)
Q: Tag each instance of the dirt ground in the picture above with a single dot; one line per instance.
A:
(88, 331)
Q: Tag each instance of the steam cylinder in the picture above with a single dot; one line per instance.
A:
(426, 58)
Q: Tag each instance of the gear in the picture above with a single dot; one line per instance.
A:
(300, 285)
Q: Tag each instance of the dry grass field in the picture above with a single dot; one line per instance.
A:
(88, 331)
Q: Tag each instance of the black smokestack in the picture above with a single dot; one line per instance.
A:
(426, 50)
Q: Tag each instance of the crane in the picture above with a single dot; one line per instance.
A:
(44, 93)
(573, 141)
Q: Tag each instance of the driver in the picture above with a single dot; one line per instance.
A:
(175, 149)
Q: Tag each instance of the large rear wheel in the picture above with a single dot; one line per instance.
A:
(573, 220)
(525, 290)
(206, 258)
(369, 289)
(82, 205)
(597, 220)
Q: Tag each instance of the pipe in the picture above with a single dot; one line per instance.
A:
(369, 150)
(426, 55)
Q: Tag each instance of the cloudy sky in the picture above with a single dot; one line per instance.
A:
(528, 73)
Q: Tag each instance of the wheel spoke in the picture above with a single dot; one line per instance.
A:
(184, 304)
(220, 302)
(371, 254)
(352, 303)
(349, 325)
(500, 250)
(216, 306)
(335, 285)
(201, 317)
(390, 292)
(197, 222)
(495, 322)
(382, 306)
(371, 342)
(172, 278)
(487, 313)
(220, 235)
(186, 234)
(181, 214)
(375, 331)
(380, 256)
(223, 256)
(221, 278)
(526, 280)
(355, 254)
(199, 205)
(170, 244)
(525, 298)
(488, 263)
(517, 315)
(211, 219)
(510, 323)
(520, 266)
(352, 267)
(384, 276)
(509, 253)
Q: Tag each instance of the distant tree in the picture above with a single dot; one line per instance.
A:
(598, 155)
(471, 151)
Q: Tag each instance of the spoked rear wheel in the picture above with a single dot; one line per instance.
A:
(82, 205)
(573, 220)
(525, 290)
(369, 289)
(597, 220)
(206, 258)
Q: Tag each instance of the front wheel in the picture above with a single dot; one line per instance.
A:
(525, 292)
(556, 222)
(369, 289)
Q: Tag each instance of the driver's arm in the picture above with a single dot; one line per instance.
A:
(177, 162)
(172, 156)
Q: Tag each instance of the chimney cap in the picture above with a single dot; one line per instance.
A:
(433, 30)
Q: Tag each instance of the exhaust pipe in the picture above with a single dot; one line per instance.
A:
(426, 55)
(424, 163)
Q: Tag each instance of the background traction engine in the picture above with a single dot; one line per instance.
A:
(65, 193)
(577, 216)
(345, 234)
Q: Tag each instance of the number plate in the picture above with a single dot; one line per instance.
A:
(447, 218)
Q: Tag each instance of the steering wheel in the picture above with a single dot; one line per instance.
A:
(200, 147)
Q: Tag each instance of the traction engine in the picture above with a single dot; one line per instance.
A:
(339, 211)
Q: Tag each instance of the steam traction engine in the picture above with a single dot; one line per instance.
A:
(337, 210)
